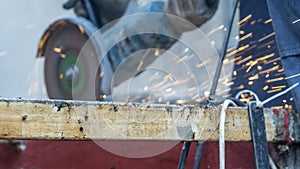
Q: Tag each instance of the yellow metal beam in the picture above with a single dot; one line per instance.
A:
(75, 120)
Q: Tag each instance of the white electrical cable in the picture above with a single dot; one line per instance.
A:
(226, 104)
(259, 104)
(278, 94)
(246, 91)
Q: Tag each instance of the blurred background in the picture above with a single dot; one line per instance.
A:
(253, 51)
(22, 25)
(24, 21)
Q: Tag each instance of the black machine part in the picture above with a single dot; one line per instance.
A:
(104, 11)
(259, 137)
(194, 11)
(70, 4)
(99, 12)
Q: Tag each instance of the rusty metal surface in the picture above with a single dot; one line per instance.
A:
(76, 120)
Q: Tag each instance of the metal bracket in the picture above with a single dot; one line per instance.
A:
(259, 137)
(212, 98)
(184, 154)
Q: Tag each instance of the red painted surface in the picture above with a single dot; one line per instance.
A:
(286, 121)
(88, 155)
(276, 112)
